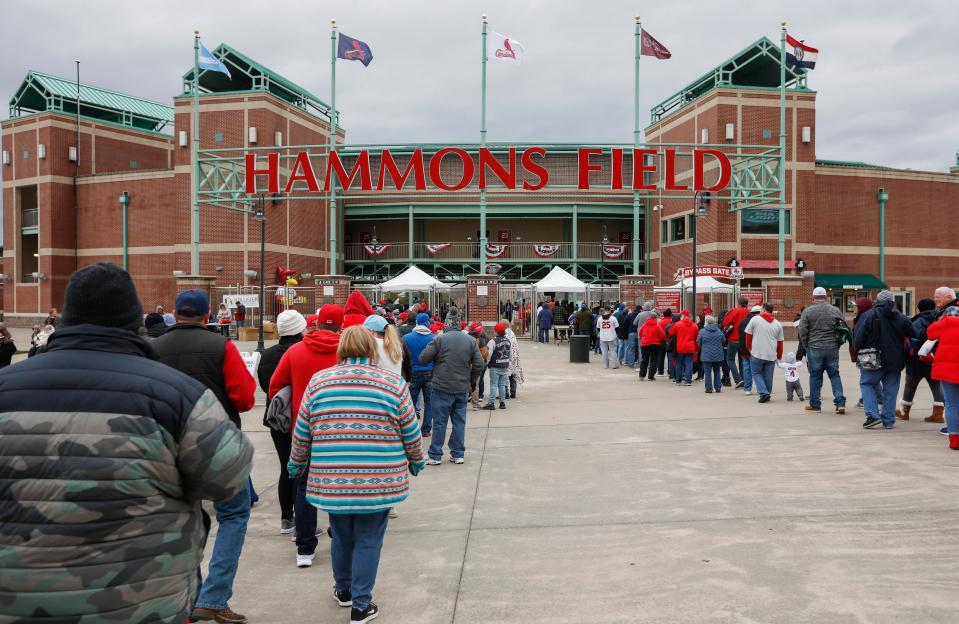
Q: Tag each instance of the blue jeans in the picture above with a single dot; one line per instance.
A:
(950, 394)
(304, 518)
(232, 515)
(448, 407)
(422, 383)
(543, 334)
(713, 372)
(878, 383)
(629, 352)
(497, 383)
(732, 354)
(684, 367)
(824, 360)
(355, 552)
(671, 366)
(762, 372)
(747, 375)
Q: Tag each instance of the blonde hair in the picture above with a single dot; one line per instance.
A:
(356, 342)
(393, 343)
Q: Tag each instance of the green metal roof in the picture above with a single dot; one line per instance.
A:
(849, 281)
(848, 163)
(41, 92)
(756, 65)
(248, 75)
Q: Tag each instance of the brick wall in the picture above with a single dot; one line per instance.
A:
(482, 308)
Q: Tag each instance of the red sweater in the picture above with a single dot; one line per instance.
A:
(316, 352)
(734, 317)
(651, 333)
(685, 331)
(945, 366)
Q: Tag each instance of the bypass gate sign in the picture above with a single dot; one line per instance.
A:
(721, 272)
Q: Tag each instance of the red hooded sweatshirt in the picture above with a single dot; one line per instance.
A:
(356, 310)
(314, 353)
(651, 333)
(685, 331)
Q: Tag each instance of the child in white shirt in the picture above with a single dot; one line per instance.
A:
(791, 370)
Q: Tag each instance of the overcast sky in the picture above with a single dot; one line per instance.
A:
(887, 78)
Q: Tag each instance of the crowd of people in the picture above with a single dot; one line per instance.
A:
(743, 347)
(143, 422)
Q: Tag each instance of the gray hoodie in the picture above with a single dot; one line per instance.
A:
(645, 314)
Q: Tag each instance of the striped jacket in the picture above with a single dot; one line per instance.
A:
(357, 427)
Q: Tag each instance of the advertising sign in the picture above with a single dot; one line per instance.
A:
(667, 299)
(719, 272)
(250, 301)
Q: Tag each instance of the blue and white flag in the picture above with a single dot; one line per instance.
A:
(353, 50)
(208, 61)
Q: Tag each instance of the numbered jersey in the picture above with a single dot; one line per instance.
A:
(607, 327)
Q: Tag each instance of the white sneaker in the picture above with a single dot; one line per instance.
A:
(304, 561)
(456, 460)
(433, 462)
(393, 512)
(747, 392)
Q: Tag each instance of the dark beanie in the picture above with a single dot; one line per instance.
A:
(102, 294)
(925, 305)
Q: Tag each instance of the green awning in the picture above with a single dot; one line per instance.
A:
(849, 281)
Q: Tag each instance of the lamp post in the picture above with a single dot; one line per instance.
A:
(124, 203)
(882, 195)
(260, 215)
(700, 199)
(602, 264)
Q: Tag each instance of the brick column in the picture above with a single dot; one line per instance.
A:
(332, 289)
(788, 294)
(482, 299)
(636, 289)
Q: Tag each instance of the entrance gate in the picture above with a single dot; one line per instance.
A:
(520, 300)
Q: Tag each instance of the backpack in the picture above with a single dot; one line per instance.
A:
(843, 334)
(670, 339)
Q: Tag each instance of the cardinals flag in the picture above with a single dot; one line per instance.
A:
(504, 48)
(651, 47)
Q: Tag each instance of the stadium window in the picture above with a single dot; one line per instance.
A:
(664, 234)
(762, 221)
(678, 229)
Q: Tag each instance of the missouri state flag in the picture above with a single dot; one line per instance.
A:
(353, 50)
(798, 54)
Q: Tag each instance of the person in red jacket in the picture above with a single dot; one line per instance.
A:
(945, 367)
(316, 352)
(730, 326)
(355, 311)
(685, 332)
(651, 336)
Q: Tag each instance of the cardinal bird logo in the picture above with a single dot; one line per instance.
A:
(508, 52)
(357, 53)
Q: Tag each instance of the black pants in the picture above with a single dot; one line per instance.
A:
(285, 487)
(914, 375)
(512, 386)
(648, 363)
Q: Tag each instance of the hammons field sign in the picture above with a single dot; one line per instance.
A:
(482, 165)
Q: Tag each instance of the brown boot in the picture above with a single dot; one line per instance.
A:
(903, 414)
(937, 415)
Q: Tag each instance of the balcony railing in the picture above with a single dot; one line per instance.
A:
(517, 251)
(29, 217)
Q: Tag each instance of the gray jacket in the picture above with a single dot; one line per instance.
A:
(817, 326)
(457, 362)
(645, 314)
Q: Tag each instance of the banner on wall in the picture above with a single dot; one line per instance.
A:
(667, 299)
(376, 250)
(755, 297)
(545, 251)
(495, 251)
(720, 272)
(435, 249)
(611, 252)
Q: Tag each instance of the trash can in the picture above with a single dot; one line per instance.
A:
(579, 349)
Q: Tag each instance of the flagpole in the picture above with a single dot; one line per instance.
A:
(639, 44)
(782, 151)
(482, 233)
(195, 226)
(333, 124)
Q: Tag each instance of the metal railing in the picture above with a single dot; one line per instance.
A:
(546, 252)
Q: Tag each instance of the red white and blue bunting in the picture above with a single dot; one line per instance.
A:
(495, 251)
(376, 250)
(612, 252)
(435, 249)
(545, 251)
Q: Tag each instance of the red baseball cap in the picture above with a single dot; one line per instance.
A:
(463, 325)
(404, 315)
(313, 320)
(685, 313)
(500, 328)
(437, 327)
(331, 315)
(476, 327)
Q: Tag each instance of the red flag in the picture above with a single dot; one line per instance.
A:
(651, 47)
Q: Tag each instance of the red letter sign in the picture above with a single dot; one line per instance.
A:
(507, 177)
(725, 169)
(616, 179)
(272, 170)
(585, 167)
(640, 168)
(387, 164)
(671, 173)
(303, 162)
(362, 166)
(437, 160)
(534, 168)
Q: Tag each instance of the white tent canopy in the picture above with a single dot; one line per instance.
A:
(560, 280)
(412, 279)
(703, 284)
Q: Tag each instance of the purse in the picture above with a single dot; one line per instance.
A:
(870, 358)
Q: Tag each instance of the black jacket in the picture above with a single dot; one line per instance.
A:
(743, 351)
(104, 457)
(7, 351)
(271, 359)
(886, 328)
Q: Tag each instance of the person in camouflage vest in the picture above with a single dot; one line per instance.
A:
(105, 455)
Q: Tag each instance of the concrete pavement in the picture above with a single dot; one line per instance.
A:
(598, 498)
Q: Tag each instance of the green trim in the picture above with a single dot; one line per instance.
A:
(848, 163)
(755, 66)
(39, 93)
(107, 122)
(247, 76)
(861, 281)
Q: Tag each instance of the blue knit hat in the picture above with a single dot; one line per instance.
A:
(423, 319)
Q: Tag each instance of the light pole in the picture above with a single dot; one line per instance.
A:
(260, 215)
(124, 204)
(700, 199)
(882, 195)
(602, 264)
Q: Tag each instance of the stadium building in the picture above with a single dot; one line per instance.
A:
(93, 174)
